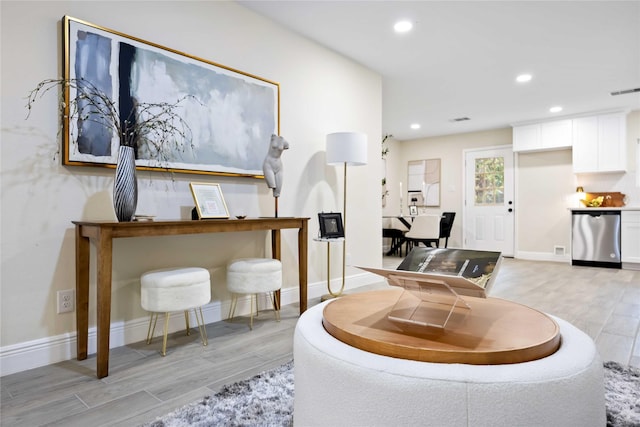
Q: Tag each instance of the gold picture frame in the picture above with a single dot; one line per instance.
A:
(233, 139)
(209, 200)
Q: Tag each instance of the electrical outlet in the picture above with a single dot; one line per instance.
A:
(66, 301)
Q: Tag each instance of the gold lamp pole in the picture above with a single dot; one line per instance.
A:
(346, 148)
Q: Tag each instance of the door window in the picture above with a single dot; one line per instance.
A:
(489, 181)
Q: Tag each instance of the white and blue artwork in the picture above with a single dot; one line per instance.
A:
(231, 115)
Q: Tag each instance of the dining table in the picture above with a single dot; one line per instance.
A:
(397, 239)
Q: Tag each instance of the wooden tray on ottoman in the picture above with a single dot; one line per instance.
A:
(492, 332)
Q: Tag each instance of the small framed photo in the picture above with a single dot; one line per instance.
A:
(413, 210)
(209, 200)
(331, 225)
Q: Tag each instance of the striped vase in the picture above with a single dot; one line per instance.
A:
(125, 185)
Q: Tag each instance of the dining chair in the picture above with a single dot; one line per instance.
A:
(424, 229)
(394, 229)
(446, 224)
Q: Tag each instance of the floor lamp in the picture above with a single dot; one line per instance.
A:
(345, 148)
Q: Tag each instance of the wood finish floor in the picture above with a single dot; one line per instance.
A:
(142, 385)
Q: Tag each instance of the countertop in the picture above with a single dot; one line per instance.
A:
(622, 208)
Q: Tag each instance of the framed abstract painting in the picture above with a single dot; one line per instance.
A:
(230, 115)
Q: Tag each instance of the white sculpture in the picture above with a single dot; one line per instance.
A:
(272, 165)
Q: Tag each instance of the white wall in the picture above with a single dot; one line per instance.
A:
(321, 92)
(449, 149)
(545, 192)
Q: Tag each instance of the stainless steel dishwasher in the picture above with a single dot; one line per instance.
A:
(595, 238)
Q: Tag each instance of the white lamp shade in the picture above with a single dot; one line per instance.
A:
(347, 147)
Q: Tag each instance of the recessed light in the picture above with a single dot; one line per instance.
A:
(415, 126)
(522, 78)
(555, 109)
(403, 26)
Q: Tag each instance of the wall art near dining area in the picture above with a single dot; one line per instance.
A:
(225, 117)
(424, 182)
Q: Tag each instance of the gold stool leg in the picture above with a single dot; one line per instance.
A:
(232, 308)
(186, 321)
(166, 329)
(272, 297)
(252, 297)
(257, 308)
(151, 330)
(201, 326)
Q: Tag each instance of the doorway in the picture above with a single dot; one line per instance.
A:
(488, 206)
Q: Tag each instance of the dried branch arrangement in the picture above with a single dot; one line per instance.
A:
(156, 128)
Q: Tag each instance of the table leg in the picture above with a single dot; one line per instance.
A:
(302, 265)
(82, 293)
(104, 260)
(277, 254)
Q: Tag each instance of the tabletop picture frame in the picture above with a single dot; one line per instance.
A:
(209, 200)
(331, 226)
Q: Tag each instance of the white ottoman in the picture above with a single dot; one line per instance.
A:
(175, 289)
(340, 385)
(254, 276)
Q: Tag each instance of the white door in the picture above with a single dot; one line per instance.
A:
(488, 211)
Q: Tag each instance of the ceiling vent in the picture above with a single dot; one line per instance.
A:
(625, 92)
(460, 119)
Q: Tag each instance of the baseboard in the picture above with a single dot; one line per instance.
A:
(542, 256)
(46, 351)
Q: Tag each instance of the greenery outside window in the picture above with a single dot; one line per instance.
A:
(489, 181)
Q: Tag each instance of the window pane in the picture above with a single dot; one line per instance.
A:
(489, 181)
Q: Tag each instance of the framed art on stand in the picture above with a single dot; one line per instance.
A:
(209, 200)
(331, 226)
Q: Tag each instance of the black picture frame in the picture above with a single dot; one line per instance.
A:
(331, 225)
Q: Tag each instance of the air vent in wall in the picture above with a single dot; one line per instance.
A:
(460, 119)
(625, 92)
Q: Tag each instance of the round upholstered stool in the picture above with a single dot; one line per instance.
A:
(565, 388)
(254, 276)
(175, 289)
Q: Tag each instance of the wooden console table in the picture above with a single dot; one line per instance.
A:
(103, 233)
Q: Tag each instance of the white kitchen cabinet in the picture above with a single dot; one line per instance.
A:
(526, 138)
(600, 143)
(630, 237)
(545, 136)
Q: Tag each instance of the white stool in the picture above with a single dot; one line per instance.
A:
(175, 289)
(253, 276)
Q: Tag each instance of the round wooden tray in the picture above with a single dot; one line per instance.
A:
(492, 332)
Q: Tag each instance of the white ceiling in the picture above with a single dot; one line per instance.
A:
(462, 57)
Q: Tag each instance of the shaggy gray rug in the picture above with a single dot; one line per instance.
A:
(264, 400)
(622, 394)
(267, 400)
